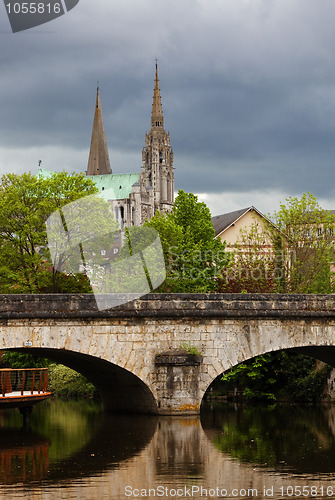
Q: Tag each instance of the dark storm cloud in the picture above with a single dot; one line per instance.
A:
(248, 89)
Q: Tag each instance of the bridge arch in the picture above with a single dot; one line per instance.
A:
(320, 353)
(246, 341)
(120, 390)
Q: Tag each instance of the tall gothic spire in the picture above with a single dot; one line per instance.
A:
(157, 174)
(157, 120)
(98, 161)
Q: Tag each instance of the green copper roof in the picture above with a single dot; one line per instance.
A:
(121, 184)
(43, 172)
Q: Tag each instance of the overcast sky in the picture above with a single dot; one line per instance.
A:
(248, 92)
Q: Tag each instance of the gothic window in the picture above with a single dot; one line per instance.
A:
(160, 157)
(122, 216)
(168, 187)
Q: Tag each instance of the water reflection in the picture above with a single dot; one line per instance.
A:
(24, 456)
(81, 440)
(177, 448)
(281, 437)
(74, 451)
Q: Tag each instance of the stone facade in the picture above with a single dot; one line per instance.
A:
(135, 197)
(117, 349)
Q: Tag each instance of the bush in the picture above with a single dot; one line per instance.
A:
(282, 375)
(14, 359)
(67, 383)
(308, 389)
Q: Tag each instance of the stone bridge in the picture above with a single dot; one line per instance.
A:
(134, 353)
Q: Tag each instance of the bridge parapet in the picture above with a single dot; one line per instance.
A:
(169, 305)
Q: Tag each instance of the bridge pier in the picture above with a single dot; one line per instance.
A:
(176, 378)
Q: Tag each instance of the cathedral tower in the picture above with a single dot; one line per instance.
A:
(98, 161)
(157, 158)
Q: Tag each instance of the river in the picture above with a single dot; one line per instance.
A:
(73, 451)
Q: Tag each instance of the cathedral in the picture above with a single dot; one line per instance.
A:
(135, 197)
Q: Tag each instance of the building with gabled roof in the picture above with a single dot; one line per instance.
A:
(228, 227)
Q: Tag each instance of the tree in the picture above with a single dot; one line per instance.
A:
(194, 259)
(256, 377)
(25, 203)
(283, 375)
(307, 245)
(254, 267)
(15, 359)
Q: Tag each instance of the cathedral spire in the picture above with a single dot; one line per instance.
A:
(157, 120)
(157, 174)
(98, 161)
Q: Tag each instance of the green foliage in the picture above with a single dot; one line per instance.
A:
(193, 217)
(194, 259)
(190, 348)
(67, 383)
(133, 274)
(256, 377)
(278, 375)
(14, 359)
(308, 388)
(306, 246)
(68, 283)
(25, 203)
